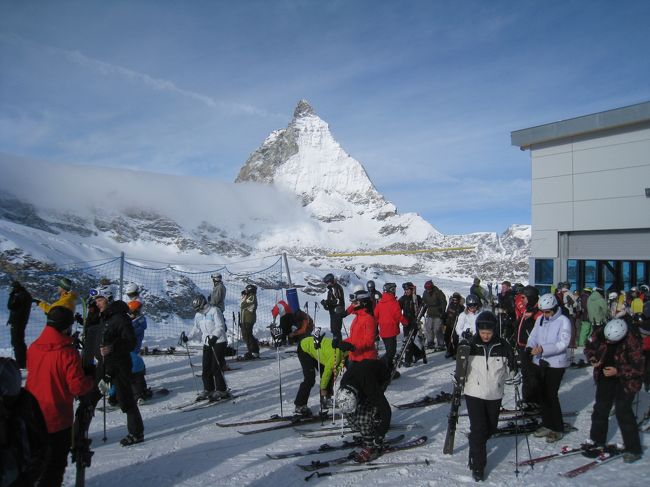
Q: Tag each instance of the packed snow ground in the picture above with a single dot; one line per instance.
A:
(188, 449)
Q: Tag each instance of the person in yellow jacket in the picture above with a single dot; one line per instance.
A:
(331, 362)
(636, 303)
(67, 298)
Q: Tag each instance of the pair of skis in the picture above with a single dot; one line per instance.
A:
(282, 423)
(365, 468)
(602, 454)
(462, 361)
(325, 448)
(426, 401)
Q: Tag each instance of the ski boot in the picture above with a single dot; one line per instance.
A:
(303, 411)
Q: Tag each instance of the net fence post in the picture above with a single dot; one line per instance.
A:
(121, 273)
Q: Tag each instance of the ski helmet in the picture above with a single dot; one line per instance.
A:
(486, 321)
(644, 288)
(518, 288)
(477, 281)
(390, 287)
(60, 318)
(280, 309)
(615, 330)
(532, 295)
(135, 306)
(613, 295)
(408, 285)
(251, 289)
(65, 284)
(472, 300)
(357, 288)
(456, 296)
(428, 285)
(216, 277)
(132, 288)
(103, 292)
(199, 302)
(346, 399)
(329, 278)
(547, 302)
(10, 379)
(370, 285)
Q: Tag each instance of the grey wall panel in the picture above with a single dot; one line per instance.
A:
(556, 189)
(615, 183)
(552, 216)
(608, 214)
(612, 157)
(618, 245)
(551, 165)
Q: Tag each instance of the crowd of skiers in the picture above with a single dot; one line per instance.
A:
(514, 336)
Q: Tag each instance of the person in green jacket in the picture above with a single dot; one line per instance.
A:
(331, 362)
(597, 312)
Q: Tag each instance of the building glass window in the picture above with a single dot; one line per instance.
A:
(591, 273)
(641, 271)
(543, 275)
(609, 275)
(626, 274)
(572, 273)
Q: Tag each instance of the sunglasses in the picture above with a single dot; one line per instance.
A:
(93, 292)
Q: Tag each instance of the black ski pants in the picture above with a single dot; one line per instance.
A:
(483, 420)
(390, 344)
(56, 458)
(309, 367)
(610, 391)
(548, 380)
(252, 346)
(336, 324)
(212, 375)
(529, 386)
(18, 343)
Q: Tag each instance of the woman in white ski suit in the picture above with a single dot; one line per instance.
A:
(211, 329)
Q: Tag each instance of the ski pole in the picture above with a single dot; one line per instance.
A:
(316, 306)
(216, 359)
(183, 343)
(104, 397)
(277, 350)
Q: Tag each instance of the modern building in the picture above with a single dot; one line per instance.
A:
(590, 205)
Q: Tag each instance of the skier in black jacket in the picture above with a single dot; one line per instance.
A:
(19, 305)
(361, 399)
(335, 304)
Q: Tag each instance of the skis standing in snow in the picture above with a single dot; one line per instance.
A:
(209, 325)
(617, 357)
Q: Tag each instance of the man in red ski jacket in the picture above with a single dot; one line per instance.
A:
(388, 314)
(361, 342)
(55, 377)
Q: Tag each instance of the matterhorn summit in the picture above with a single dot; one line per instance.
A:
(305, 159)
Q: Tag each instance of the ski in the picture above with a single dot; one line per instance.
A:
(288, 424)
(365, 468)
(80, 448)
(186, 404)
(462, 360)
(210, 403)
(335, 430)
(146, 351)
(241, 358)
(566, 451)
(528, 416)
(526, 428)
(273, 419)
(327, 448)
(426, 401)
(317, 464)
(605, 456)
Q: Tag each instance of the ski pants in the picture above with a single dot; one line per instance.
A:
(390, 344)
(56, 458)
(309, 367)
(408, 342)
(433, 330)
(585, 333)
(18, 344)
(610, 391)
(336, 323)
(548, 380)
(529, 384)
(247, 334)
(212, 374)
(483, 420)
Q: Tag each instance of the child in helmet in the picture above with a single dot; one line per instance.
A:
(617, 357)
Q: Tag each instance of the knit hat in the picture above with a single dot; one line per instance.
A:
(60, 318)
(65, 283)
(486, 321)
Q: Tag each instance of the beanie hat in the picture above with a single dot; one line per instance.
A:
(281, 308)
(65, 283)
(10, 379)
(60, 318)
(486, 321)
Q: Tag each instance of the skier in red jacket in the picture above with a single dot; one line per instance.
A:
(361, 342)
(55, 377)
(388, 314)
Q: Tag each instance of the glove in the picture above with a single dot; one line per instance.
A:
(317, 338)
(346, 347)
(467, 335)
(325, 402)
(183, 338)
(104, 386)
(36, 301)
(276, 332)
(78, 318)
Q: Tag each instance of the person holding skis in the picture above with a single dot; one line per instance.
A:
(410, 304)
(55, 377)
(466, 323)
(548, 344)
(211, 329)
(248, 312)
(19, 306)
(616, 354)
(435, 303)
(362, 401)
(491, 360)
(67, 297)
(388, 314)
(454, 311)
(529, 387)
(335, 304)
(314, 353)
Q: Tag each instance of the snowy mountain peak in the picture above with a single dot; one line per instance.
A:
(303, 108)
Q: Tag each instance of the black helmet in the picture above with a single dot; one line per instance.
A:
(362, 298)
(408, 285)
(518, 288)
(251, 289)
(199, 302)
(390, 287)
(60, 318)
(370, 285)
(329, 278)
(486, 321)
(532, 295)
(472, 300)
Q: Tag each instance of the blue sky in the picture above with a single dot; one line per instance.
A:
(423, 93)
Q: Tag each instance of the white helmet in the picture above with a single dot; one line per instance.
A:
(132, 288)
(547, 302)
(613, 295)
(346, 399)
(615, 330)
(358, 288)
